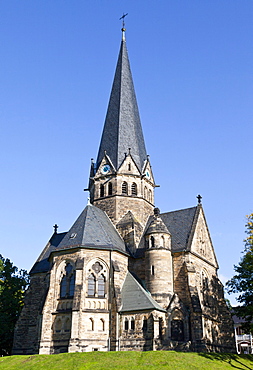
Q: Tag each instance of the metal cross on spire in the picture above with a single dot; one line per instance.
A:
(123, 19)
(123, 26)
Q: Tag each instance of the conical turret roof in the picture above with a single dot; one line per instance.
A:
(122, 128)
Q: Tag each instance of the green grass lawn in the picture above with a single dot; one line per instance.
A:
(129, 360)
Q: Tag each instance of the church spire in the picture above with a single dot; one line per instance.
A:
(122, 128)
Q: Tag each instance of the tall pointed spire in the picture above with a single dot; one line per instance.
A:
(122, 128)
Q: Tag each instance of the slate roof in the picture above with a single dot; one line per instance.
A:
(122, 128)
(180, 224)
(157, 225)
(92, 229)
(135, 297)
(42, 264)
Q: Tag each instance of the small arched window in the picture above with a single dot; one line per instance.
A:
(58, 325)
(102, 323)
(145, 192)
(129, 166)
(145, 325)
(162, 241)
(132, 324)
(67, 286)
(91, 285)
(150, 196)
(101, 286)
(91, 324)
(152, 240)
(67, 325)
(110, 188)
(126, 326)
(124, 188)
(134, 188)
(102, 190)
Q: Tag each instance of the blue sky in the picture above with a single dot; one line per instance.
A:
(192, 67)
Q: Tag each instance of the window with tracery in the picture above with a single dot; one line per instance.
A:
(67, 286)
(134, 188)
(101, 286)
(124, 188)
(91, 285)
(97, 281)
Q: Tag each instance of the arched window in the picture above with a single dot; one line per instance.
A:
(67, 325)
(110, 188)
(102, 324)
(162, 241)
(126, 326)
(205, 288)
(91, 324)
(63, 287)
(129, 166)
(177, 330)
(102, 190)
(132, 324)
(58, 325)
(145, 325)
(91, 285)
(152, 240)
(150, 196)
(124, 188)
(67, 287)
(101, 286)
(145, 192)
(134, 188)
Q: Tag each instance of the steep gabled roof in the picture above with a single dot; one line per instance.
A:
(135, 297)
(180, 224)
(122, 128)
(93, 229)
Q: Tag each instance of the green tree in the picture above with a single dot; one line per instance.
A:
(13, 283)
(242, 281)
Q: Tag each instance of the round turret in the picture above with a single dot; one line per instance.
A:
(158, 260)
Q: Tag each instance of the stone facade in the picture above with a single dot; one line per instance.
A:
(125, 277)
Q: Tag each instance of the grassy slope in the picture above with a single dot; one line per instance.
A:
(128, 360)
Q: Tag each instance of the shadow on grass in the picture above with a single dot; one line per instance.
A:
(232, 359)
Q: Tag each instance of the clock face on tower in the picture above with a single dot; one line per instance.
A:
(105, 169)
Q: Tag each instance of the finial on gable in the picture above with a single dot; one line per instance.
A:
(199, 197)
(123, 26)
(55, 228)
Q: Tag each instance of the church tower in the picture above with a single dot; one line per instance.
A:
(124, 276)
(121, 181)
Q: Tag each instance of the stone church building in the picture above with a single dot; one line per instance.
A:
(125, 276)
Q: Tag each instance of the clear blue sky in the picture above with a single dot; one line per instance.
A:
(192, 63)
